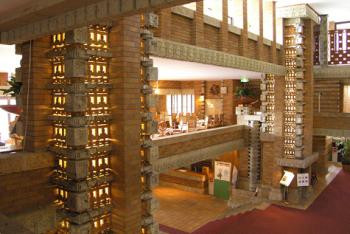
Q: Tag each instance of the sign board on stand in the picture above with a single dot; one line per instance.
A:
(222, 180)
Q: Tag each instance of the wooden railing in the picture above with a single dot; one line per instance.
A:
(338, 47)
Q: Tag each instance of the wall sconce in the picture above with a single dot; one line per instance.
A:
(157, 90)
(201, 98)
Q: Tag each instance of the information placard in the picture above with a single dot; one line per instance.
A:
(303, 179)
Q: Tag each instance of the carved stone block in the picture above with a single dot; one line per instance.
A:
(151, 73)
(82, 228)
(75, 68)
(151, 20)
(78, 202)
(76, 102)
(77, 136)
(77, 170)
(79, 35)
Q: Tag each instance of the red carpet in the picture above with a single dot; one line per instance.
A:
(329, 214)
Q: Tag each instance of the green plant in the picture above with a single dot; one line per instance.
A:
(346, 157)
(244, 91)
(14, 89)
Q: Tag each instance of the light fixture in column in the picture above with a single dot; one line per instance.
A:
(81, 140)
(294, 85)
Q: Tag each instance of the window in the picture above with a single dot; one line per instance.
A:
(268, 19)
(253, 16)
(235, 13)
(213, 8)
(346, 102)
(6, 118)
(192, 6)
(180, 104)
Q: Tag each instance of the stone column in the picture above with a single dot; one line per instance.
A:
(198, 25)
(243, 42)
(323, 41)
(34, 98)
(223, 33)
(125, 128)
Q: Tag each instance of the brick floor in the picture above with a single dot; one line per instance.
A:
(187, 211)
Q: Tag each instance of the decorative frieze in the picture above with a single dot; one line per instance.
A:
(179, 51)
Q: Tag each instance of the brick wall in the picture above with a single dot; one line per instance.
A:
(125, 127)
(3, 78)
(24, 182)
(330, 100)
(39, 127)
(193, 30)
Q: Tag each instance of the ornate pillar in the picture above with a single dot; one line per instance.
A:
(254, 150)
(81, 114)
(149, 153)
(323, 41)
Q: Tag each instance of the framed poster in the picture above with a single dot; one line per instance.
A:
(223, 171)
(303, 179)
(222, 180)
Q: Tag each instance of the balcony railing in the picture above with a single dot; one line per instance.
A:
(338, 47)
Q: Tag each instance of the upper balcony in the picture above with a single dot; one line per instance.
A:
(338, 48)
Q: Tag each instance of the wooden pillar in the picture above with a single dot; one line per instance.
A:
(35, 97)
(223, 33)
(243, 42)
(125, 127)
(261, 31)
(198, 25)
(273, 44)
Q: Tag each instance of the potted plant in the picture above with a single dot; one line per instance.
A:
(244, 94)
(13, 91)
(346, 157)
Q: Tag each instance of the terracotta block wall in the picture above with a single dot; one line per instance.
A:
(331, 95)
(25, 190)
(211, 38)
(181, 29)
(25, 182)
(36, 67)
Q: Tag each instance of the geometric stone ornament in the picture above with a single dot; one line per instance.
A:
(77, 170)
(77, 136)
(76, 102)
(78, 202)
